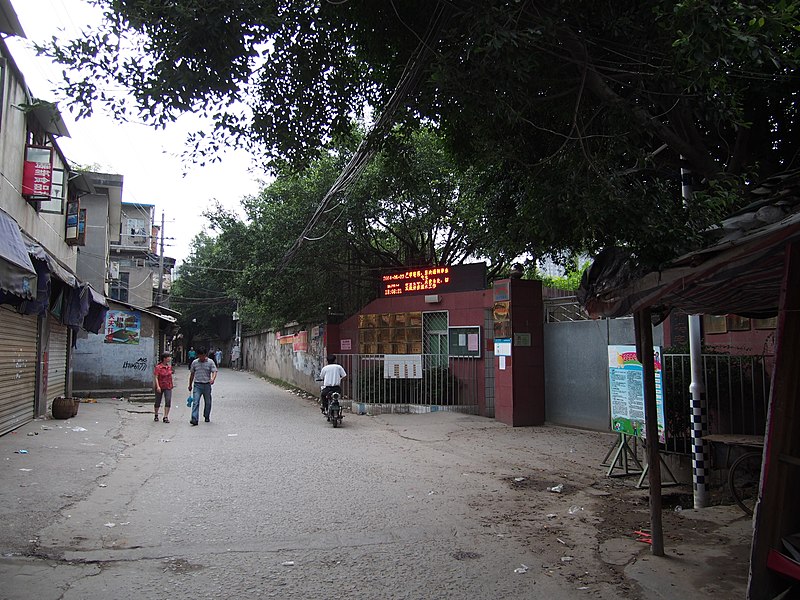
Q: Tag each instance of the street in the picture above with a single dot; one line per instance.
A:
(269, 501)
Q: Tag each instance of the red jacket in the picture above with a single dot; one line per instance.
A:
(163, 374)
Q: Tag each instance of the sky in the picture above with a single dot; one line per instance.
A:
(148, 159)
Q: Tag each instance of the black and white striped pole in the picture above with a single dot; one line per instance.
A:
(697, 388)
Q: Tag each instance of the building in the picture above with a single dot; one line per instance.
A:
(43, 303)
(120, 257)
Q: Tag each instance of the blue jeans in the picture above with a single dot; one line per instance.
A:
(201, 389)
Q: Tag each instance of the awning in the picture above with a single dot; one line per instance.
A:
(740, 275)
(17, 275)
(37, 251)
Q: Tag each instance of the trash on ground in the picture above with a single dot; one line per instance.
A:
(20, 451)
(78, 429)
(521, 569)
(233, 434)
(557, 489)
(643, 536)
(566, 559)
(679, 508)
(111, 525)
(519, 479)
(103, 485)
(26, 470)
(287, 563)
(46, 428)
(575, 509)
(560, 541)
(551, 515)
(33, 433)
(164, 440)
(126, 523)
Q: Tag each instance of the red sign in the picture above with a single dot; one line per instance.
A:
(300, 341)
(429, 280)
(37, 173)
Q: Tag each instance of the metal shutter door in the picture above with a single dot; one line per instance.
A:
(56, 362)
(18, 335)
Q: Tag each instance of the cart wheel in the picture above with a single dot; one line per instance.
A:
(743, 480)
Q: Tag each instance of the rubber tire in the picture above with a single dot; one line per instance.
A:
(731, 478)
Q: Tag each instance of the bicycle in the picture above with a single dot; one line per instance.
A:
(744, 478)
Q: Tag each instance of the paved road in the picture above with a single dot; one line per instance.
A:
(269, 501)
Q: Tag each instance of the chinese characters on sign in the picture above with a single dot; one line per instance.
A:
(425, 280)
(300, 343)
(122, 327)
(626, 387)
(402, 366)
(37, 173)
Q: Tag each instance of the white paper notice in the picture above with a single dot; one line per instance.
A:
(502, 363)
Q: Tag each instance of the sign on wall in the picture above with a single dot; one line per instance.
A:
(626, 390)
(123, 327)
(429, 280)
(300, 343)
(37, 173)
(465, 341)
(402, 366)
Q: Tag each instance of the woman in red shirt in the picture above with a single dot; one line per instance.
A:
(163, 384)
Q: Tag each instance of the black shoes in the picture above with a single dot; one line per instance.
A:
(193, 423)
(207, 420)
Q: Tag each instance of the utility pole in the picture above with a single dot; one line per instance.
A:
(700, 465)
(161, 265)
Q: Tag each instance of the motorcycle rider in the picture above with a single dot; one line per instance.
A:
(331, 376)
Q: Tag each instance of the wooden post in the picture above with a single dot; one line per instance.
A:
(776, 513)
(644, 352)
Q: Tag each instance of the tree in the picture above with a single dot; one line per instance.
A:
(574, 115)
(412, 207)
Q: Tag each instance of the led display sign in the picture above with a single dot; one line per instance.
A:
(434, 280)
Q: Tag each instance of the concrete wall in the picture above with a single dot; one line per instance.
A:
(576, 369)
(264, 354)
(99, 367)
(93, 257)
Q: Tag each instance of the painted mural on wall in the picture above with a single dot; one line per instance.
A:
(123, 327)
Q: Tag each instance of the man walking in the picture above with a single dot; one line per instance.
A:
(202, 374)
(218, 357)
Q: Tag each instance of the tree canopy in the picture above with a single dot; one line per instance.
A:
(572, 115)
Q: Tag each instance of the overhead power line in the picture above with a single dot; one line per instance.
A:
(408, 82)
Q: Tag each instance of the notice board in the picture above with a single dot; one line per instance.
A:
(465, 341)
(626, 391)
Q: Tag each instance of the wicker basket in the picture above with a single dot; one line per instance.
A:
(63, 408)
(76, 403)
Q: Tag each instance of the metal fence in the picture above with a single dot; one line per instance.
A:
(563, 310)
(737, 392)
(447, 383)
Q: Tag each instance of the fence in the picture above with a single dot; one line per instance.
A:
(563, 309)
(737, 392)
(443, 383)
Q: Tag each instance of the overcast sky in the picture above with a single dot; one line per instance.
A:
(148, 159)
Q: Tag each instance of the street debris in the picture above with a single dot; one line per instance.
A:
(519, 479)
(287, 563)
(20, 451)
(126, 523)
(103, 485)
(643, 536)
(560, 541)
(551, 515)
(164, 440)
(79, 429)
(679, 508)
(233, 434)
(26, 470)
(556, 489)
(46, 428)
(32, 433)
(566, 559)
(575, 509)
(109, 525)
(521, 569)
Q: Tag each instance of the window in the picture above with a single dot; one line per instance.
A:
(135, 229)
(771, 323)
(57, 189)
(737, 323)
(119, 287)
(714, 324)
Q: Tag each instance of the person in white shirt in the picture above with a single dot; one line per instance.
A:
(331, 376)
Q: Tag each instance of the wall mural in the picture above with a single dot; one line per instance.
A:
(123, 327)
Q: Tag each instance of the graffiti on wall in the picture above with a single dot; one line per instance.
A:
(138, 365)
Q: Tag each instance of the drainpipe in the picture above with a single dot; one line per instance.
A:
(697, 390)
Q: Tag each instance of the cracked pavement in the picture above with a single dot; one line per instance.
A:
(269, 501)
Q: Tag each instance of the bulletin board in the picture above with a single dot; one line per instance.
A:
(465, 341)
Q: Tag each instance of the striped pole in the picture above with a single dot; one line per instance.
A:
(700, 464)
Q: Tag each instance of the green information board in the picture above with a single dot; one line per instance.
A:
(465, 341)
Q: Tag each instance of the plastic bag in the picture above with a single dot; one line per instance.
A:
(189, 400)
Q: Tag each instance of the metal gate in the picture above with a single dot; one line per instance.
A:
(56, 362)
(18, 335)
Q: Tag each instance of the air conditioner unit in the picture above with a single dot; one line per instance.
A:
(113, 269)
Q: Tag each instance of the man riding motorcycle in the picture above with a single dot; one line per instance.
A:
(331, 376)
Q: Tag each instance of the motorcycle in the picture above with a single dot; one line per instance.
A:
(331, 407)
